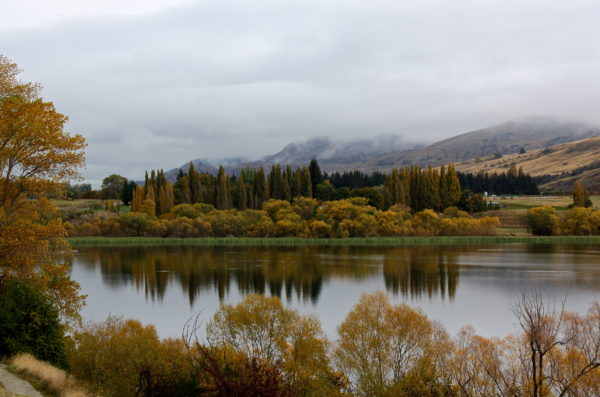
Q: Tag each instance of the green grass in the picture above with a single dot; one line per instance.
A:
(293, 241)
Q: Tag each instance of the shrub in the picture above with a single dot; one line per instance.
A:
(543, 221)
(134, 223)
(579, 221)
(125, 358)
(29, 323)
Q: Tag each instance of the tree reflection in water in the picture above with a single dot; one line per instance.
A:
(279, 271)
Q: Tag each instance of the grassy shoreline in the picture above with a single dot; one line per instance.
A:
(356, 241)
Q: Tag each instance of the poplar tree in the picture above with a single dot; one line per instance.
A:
(290, 178)
(137, 203)
(443, 187)
(276, 182)
(306, 183)
(453, 188)
(194, 184)
(393, 189)
(165, 199)
(581, 197)
(223, 191)
(260, 188)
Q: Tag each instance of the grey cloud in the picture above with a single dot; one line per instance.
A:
(237, 78)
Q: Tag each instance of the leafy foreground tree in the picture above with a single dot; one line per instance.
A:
(29, 323)
(36, 158)
(557, 354)
(389, 350)
(261, 348)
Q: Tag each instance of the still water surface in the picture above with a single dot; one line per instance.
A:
(456, 285)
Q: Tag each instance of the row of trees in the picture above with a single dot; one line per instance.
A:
(412, 187)
(261, 348)
(305, 217)
(422, 189)
(513, 182)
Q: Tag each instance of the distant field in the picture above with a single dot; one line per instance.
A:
(526, 202)
(78, 204)
(73, 208)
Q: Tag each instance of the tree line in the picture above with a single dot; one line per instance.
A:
(513, 182)
(413, 187)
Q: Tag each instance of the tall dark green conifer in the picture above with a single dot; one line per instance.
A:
(276, 182)
(223, 191)
(316, 176)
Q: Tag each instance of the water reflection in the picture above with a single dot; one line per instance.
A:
(285, 272)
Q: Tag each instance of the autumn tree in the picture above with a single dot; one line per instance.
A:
(276, 183)
(581, 197)
(264, 331)
(381, 345)
(557, 353)
(452, 192)
(543, 221)
(137, 202)
(37, 157)
(223, 197)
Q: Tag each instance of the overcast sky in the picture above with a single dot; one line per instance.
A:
(154, 83)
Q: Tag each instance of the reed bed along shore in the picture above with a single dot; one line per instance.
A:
(356, 241)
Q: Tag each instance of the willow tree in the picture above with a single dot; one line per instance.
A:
(37, 157)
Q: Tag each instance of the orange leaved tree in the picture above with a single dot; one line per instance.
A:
(36, 157)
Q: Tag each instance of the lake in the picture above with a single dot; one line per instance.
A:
(455, 285)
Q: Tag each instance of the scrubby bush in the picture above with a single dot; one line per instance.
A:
(124, 358)
(29, 323)
(306, 217)
(543, 221)
(581, 221)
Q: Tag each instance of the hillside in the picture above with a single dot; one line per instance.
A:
(332, 155)
(562, 164)
(386, 153)
(506, 138)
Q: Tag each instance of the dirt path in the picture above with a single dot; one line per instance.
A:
(14, 384)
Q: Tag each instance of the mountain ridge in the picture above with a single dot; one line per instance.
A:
(387, 152)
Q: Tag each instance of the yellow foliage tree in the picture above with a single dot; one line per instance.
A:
(36, 158)
(262, 328)
(380, 345)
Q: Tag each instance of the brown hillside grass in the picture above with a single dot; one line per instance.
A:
(53, 378)
(567, 162)
(555, 160)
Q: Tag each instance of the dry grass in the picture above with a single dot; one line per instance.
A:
(539, 201)
(559, 159)
(567, 162)
(508, 218)
(53, 378)
(5, 393)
